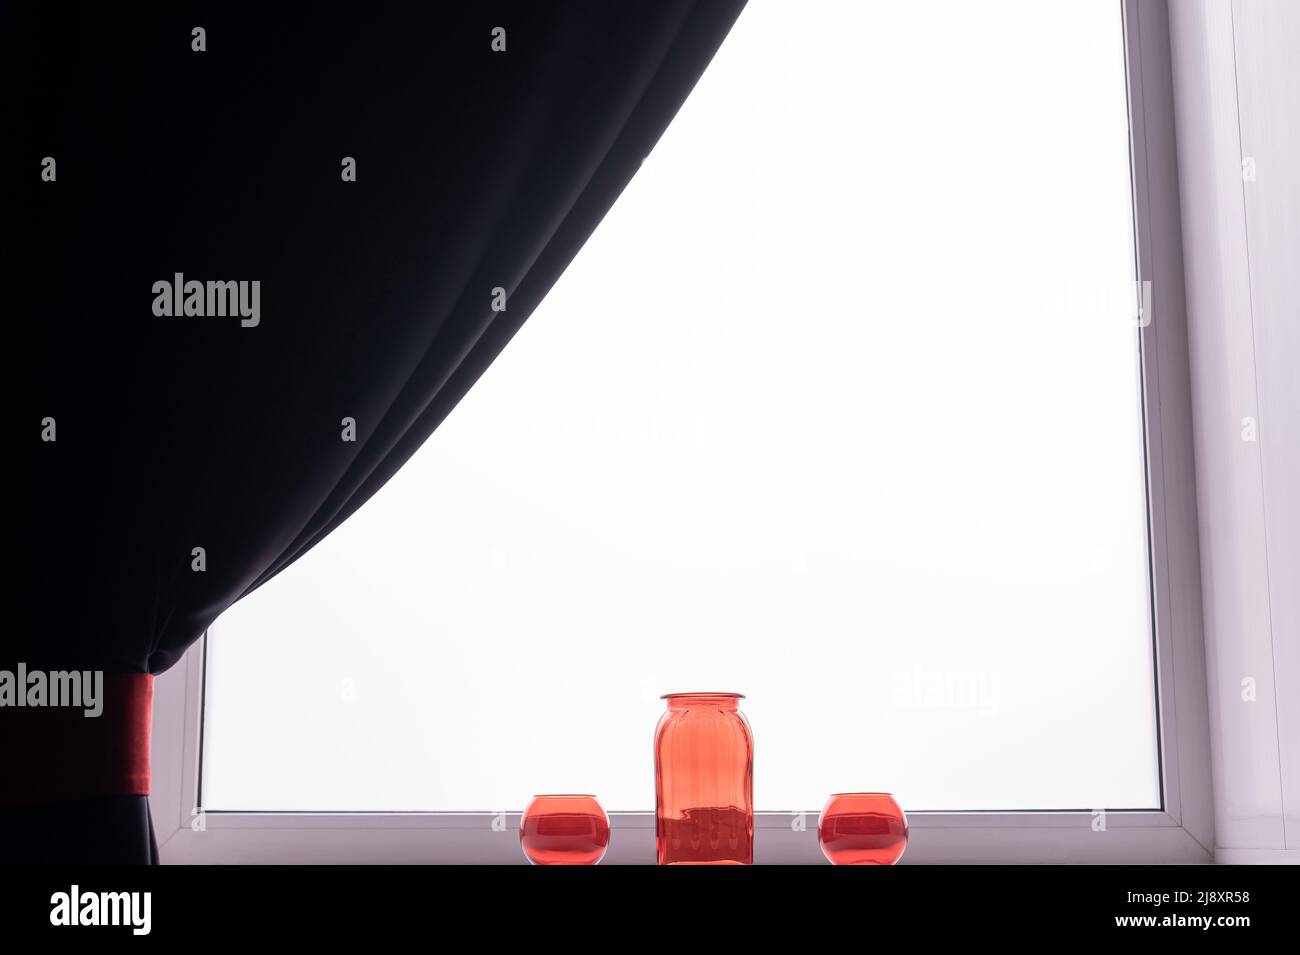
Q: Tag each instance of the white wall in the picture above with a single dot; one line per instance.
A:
(1237, 96)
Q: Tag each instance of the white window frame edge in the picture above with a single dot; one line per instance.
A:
(1181, 832)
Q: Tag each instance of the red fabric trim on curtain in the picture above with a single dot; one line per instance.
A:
(58, 753)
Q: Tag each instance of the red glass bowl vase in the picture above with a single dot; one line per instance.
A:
(862, 829)
(704, 781)
(564, 829)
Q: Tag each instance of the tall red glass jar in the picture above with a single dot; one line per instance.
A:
(704, 781)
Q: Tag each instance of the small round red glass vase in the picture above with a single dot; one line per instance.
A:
(564, 829)
(862, 829)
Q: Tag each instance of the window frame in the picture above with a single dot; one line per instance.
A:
(1180, 832)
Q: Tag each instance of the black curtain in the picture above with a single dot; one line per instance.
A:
(476, 169)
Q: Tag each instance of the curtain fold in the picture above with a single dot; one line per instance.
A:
(194, 457)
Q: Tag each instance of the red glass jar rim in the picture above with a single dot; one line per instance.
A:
(703, 696)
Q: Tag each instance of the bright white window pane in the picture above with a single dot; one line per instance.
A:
(838, 408)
